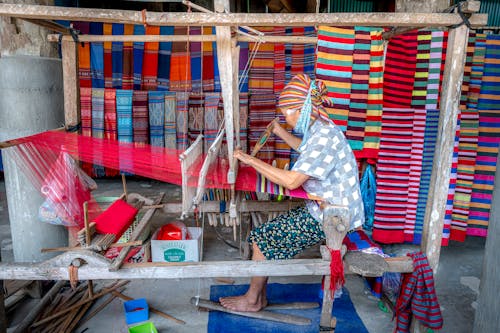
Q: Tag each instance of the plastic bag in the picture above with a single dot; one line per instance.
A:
(368, 193)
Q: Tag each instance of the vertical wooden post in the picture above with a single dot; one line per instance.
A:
(3, 315)
(440, 177)
(71, 84)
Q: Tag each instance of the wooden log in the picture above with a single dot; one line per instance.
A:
(26, 322)
(136, 234)
(151, 309)
(69, 51)
(263, 314)
(224, 19)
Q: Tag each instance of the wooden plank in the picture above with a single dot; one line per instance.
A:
(69, 51)
(440, 177)
(57, 268)
(232, 19)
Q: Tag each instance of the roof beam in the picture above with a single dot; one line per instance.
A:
(234, 19)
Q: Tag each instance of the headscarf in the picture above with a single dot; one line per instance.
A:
(308, 95)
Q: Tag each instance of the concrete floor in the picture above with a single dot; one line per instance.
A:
(457, 280)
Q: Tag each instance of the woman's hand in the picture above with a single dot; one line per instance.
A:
(240, 155)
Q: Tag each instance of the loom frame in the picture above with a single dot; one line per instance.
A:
(97, 268)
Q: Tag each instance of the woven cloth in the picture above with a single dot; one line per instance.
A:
(180, 64)
(138, 57)
(196, 63)
(140, 116)
(110, 124)
(84, 76)
(418, 297)
(98, 127)
(124, 122)
(196, 116)
(181, 119)
(419, 94)
(207, 62)
(107, 29)
(438, 48)
(97, 57)
(211, 122)
(279, 62)
(156, 103)
(244, 121)
(261, 75)
(393, 175)
(117, 56)
(150, 64)
(170, 121)
(262, 110)
(243, 67)
(86, 119)
(164, 53)
(128, 59)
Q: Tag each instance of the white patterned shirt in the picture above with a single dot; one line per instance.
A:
(328, 160)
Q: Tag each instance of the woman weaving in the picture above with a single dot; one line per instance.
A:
(326, 169)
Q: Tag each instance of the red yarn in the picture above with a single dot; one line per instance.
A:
(337, 279)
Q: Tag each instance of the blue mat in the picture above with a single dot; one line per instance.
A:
(348, 320)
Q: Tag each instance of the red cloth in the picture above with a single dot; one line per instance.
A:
(116, 219)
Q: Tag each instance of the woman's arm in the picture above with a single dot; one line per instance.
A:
(289, 138)
(289, 179)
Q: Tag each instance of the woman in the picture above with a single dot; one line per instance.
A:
(326, 169)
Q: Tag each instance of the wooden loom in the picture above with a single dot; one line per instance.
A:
(99, 268)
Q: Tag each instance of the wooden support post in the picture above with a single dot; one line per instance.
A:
(440, 177)
(71, 84)
(3, 316)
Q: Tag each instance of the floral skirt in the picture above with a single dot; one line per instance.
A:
(288, 234)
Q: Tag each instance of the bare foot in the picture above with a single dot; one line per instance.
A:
(243, 303)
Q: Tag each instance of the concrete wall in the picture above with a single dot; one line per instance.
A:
(421, 6)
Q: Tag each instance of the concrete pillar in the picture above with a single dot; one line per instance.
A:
(31, 101)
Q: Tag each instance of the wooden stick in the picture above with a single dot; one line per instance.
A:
(26, 322)
(60, 313)
(80, 248)
(124, 183)
(151, 309)
(86, 221)
(99, 308)
(78, 316)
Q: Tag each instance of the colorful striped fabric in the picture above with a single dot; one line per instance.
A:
(334, 67)
(170, 121)
(477, 69)
(430, 136)
(467, 70)
(98, 127)
(150, 64)
(358, 104)
(297, 54)
(419, 94)
(140, 120)
(244, 121)
(107, 29)
(196, 116)
(128, 59)
(309, 54)
(180, 64)
(393, 175)
(164, 53)
(467, 154)
(86, 119)
(279, 62)
(156, 102)
(196, 64)
(282, 150)
(84, 76)
(110, 123)
(182, 120)
(435, 61)
(117, 56)
(207, 55)
(243, 67)
(97, 57)
(138, 57)
(216, 65)
(262, 110)
(211, 121)
(261, 76)
(125, 124)
(399, 73)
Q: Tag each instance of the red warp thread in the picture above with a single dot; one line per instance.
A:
(337, 279)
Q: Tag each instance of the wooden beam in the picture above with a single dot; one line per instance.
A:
(440, 177)
(239, 19)
(97, 268)
(71, 83)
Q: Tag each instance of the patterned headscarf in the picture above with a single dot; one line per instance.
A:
(298, 91)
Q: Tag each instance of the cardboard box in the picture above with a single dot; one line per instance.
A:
(177, 250)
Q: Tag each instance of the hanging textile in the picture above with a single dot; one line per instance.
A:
(110, 122)
(261, 76)
(138, 57)
(216, 65)
(244, 121)
(207, 62)
(117, 56)
(279, 62)
(182, 120)
(140, 118)
(156, 103)
(196, 63)
(262, 110)
(309, 53)
(107, 29)
(393, 175)
(98, 126)
(211, 122)
(97, 57)
(84, 76)
(86, 119)
(297, 64)
(170, 122)
(164, 53)
(196, 116)
(150, 65)
(420, 83)
(437, 50)
(128, 59)
(243, 66)
(124, 125)
(180, 63)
